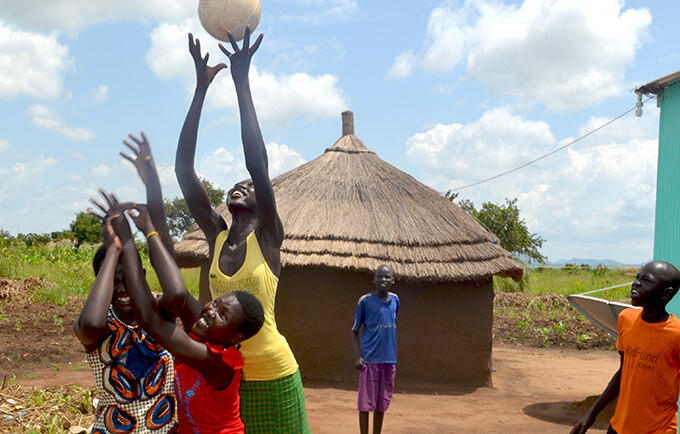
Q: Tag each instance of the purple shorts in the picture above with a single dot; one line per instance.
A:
(376, 383)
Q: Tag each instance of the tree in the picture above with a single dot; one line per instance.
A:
(86, 228)
(506, 223)
(177, 211)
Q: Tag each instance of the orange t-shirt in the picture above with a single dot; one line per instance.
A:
(650, 376)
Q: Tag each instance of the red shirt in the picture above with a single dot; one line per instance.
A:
(650, 376)
(202, 408)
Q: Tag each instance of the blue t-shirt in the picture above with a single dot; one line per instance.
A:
(379, 320)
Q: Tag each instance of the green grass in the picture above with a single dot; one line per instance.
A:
(570, 280)
(69, 269)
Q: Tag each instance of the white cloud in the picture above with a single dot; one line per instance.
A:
(5, 146)
(402, 67)
(73, 15)
(44, 117)
(222, 168)
(282, 158)
(225, 167)
(447, 34)
(281, 98)
(500, 138)
(563, 54)
(594, 199)
(101, 94)
(278, 98)
(30, 64)
(169, 56)
(638, 128)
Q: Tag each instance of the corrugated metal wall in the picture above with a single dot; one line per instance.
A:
(667, 221)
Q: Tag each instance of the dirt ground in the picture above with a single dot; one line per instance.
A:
(536, 390)
(542, 320)
(37, 336)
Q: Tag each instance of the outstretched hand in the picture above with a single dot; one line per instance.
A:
(139, 213)
(109, 236)
(204, 73)
(113, 213)
(142, 160)
(240, 58)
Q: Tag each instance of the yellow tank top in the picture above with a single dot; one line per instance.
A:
(266, 356)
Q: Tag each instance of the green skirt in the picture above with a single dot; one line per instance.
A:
(276, 406)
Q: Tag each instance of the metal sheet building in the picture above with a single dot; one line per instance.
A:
(667, 219)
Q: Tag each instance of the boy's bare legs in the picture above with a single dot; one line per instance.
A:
(363, 422)
(377, 421)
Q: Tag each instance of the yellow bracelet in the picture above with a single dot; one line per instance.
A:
(150, 234)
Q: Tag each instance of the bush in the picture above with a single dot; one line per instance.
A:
(86, 228)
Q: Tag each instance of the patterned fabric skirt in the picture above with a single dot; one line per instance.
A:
(276, 406)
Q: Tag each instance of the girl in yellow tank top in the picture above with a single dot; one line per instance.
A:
(266, 355)
(272, 397)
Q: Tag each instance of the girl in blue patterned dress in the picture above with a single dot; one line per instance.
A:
(134, 375)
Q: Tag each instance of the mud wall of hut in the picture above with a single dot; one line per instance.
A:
(443, 330)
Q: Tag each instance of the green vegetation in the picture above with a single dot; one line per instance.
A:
(531, 312)
(71, 271)
(535, 311)
(506, 223)
(68, 268)
(177, 211)
(570, 279)
(86, 228)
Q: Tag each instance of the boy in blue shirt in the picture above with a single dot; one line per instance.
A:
(376, 351)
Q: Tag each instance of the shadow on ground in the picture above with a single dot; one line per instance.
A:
(568, 413)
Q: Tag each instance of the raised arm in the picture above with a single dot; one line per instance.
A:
(91, 323)
(195, 354)
(195, 194)
(146, 168)
(253, 144)
(610, 392)
(176, 301)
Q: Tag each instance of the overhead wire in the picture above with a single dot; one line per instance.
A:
(528, 163)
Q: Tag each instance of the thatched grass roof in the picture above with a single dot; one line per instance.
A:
(349, 209)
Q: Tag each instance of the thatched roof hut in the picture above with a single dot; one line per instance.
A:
(346, 212)
(350, 210)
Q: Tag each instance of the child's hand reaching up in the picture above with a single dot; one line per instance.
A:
(113, 213)
(140, 215)
(109, 236)
(143, 161)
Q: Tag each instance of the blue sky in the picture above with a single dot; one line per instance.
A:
(448, 91)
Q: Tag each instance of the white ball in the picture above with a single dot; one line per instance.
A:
(218, 16)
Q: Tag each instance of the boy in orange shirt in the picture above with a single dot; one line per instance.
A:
(648, 380)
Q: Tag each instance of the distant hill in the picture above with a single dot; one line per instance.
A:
(591, 262)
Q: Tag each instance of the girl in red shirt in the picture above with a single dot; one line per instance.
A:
(208, 363)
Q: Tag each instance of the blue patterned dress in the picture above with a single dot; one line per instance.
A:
(135, 378)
